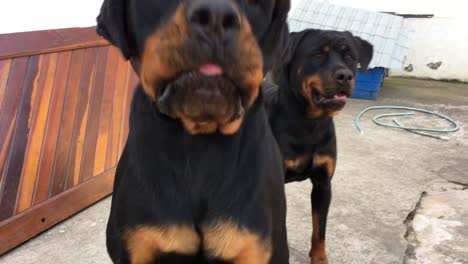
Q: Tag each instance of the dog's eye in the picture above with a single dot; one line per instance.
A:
(251, 2)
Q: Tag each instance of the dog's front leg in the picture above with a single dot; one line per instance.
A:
(324, 167)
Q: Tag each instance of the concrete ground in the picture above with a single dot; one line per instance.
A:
(390, 187)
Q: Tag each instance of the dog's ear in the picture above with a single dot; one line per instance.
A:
(365, 51)
(295, 39)
(112, 25)
(279, 73)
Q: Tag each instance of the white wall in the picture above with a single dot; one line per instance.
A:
(438, 40)
(443, 38)
(452, 8)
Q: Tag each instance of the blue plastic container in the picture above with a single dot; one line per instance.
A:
(368, 85)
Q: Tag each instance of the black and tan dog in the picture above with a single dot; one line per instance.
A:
(200, 179)
(313, 86)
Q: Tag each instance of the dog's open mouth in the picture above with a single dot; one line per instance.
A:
(204, 95)
(333, 101)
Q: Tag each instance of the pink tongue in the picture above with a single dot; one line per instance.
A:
(340, 97)
(211, 69)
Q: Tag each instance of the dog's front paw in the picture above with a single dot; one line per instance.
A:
(318, 257)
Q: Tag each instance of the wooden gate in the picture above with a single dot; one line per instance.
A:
(64, 105)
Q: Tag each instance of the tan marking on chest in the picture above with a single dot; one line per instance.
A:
(297, 163)
(147, 243)
(229, 242)
(325, 160)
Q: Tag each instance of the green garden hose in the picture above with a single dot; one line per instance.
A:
(396, 124)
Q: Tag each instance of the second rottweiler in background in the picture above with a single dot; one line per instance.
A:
(313, 86)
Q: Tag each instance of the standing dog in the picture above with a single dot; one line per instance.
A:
(201, 178)
(313, 86)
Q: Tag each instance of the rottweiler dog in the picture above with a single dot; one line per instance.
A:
(201, 178)
(312, 87)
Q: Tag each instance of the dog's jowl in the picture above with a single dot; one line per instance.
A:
(314, 84)
(201, 178)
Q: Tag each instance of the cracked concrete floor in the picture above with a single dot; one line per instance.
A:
(437, 231)
(378, 183)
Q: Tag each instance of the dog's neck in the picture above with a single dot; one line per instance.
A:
(289, 119)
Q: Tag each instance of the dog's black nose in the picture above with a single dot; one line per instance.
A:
(214, 17)
(344, 76)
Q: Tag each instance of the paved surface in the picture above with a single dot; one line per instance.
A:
(376, 206)
(437, 231)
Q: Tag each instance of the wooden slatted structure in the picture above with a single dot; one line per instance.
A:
(64, 105)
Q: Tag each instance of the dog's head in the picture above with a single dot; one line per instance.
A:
(200, 61)
(322, 68)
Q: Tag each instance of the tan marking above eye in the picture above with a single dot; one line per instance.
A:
(147, 243)
(326, 49)
(227, 241)
(325, 160)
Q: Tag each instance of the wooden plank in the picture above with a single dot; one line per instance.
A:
(8, 118)
(61, 132)
(116, 123)
(9, 110)
(10, 106)
(81, 116)
(28, 224)
(106, 111)
(26, 187)
(5, 148)
(68, 119)
(92, 126)
(49, 146)
(19, 142)
(44, 112)
(43, 88)
(47, 41)
(4, 71)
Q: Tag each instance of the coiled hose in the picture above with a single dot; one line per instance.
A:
(396, 124)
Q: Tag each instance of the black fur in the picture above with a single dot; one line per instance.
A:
(298, 134)
(166, 176)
